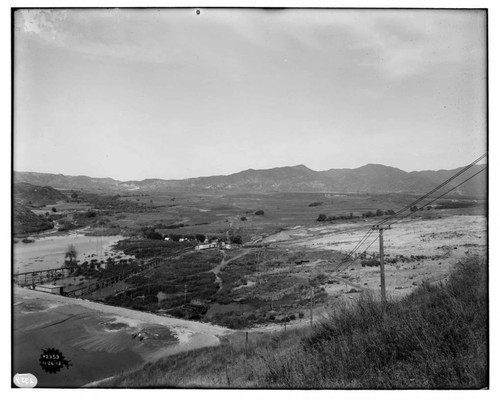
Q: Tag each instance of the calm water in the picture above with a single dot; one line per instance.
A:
(48, 252)
(98, 345)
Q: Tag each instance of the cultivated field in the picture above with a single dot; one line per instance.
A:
(284, 263)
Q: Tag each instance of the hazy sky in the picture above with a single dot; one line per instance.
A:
(134, 94)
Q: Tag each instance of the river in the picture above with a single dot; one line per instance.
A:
(48, 252)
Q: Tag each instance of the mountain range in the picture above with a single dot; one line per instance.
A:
(371, 178)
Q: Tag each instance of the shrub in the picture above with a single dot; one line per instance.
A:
(237, 239)
(259, 212)
(434, 338)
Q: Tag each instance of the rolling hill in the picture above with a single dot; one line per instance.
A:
(26, 221)
(37, 195)
(371, 178)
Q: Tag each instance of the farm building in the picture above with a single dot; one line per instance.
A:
(54, 289)
(213, 245)
(207, 246)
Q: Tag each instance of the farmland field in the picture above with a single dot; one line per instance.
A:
(283, 255)
(284, 250)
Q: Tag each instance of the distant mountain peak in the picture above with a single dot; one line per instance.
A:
(370, 178)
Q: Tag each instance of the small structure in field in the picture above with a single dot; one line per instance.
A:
(54, 289)
(205, 246)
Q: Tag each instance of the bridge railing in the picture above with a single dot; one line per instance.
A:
(92, 287)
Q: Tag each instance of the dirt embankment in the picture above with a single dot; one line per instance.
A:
(183, 329)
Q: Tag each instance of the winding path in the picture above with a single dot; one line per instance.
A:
(216, 270)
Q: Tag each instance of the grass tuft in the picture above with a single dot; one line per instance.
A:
(437, 337)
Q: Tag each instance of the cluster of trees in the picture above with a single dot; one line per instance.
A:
(456, 204)
(368, 214)
(152, 234)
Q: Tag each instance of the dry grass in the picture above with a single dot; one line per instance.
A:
(435, 338)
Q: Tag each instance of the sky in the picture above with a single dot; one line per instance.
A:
(173, 94)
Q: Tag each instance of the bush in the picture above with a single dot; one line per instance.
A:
(321, 218)
(237, 239)
(315, 204)
(437, 337)
(200, 237)
(259, 212)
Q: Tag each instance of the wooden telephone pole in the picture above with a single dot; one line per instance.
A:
(311, 297)
(382, 271)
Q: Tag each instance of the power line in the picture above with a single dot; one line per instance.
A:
(385, 220)
(362, 240)
(442, 195)
(357, 257)
(380, 236)
(463, 170)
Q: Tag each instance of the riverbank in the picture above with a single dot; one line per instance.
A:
(99, 340)
(49, 252)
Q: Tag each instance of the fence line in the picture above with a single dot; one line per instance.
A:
(48, 275)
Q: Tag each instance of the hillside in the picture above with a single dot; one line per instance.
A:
(371, 178)
(36, 195)
(435, 338)
(25, 221)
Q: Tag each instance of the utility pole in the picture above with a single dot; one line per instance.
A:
(382, 271)
(311, 299)
(246, 345)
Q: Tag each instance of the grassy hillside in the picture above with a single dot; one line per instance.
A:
(36, 195)
(435, 338)
(26, 221)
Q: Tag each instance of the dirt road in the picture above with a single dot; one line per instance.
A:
(223, 264)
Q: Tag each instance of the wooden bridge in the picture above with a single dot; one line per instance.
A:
(50, 275)
(43, 276)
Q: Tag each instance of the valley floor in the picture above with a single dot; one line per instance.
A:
(421, 250)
